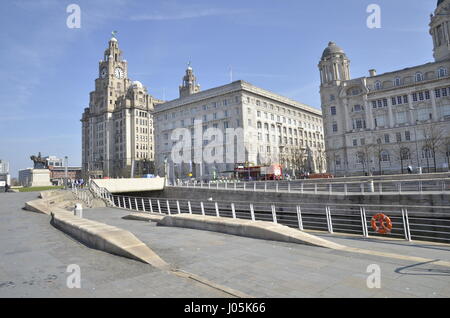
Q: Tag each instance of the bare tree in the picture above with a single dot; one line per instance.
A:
(295, 157)
(433, 139)
(404, 154)
(364, 154)
(445, 149)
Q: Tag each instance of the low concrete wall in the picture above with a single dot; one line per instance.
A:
(253, 229)
(131, 185)
(107, 238)
(250, 196)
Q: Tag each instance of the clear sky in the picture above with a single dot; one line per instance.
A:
(48, 70)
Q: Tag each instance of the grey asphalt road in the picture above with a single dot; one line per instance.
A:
(34, 257)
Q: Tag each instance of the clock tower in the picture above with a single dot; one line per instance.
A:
(117, 132)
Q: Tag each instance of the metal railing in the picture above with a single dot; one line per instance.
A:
(419, 186)
(409, 222)
(83, 194)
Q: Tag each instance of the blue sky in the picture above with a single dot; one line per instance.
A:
(48, 69)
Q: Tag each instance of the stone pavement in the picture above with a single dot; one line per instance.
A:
(274, 269)
(34, 257)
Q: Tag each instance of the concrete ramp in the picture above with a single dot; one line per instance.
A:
(247, 228)
(131, 185)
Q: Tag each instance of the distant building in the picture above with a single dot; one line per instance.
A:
(4, 167)
(5, 177)
(117, 127)
(58, 174)
(274, 129)
(381, 124)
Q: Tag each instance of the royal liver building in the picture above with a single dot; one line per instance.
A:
(384, 123)
(117, 127)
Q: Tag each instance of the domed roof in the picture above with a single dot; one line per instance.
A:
(332, 49)
(113, 39)
(137, 84)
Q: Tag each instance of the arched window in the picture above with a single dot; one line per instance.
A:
(397, 81)
(419, 77)
(405, 154)
(442, 72)
(378, 85)
(384, 156)
(427, 153)
(259, 125)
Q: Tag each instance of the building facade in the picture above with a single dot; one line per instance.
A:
(117, 127)
(235, 123)
(381, 124)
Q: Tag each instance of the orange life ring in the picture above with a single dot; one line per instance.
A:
(381, 223)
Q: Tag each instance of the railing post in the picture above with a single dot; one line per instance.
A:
(301, 188)
(189, 207)
(226, 185)
(364, 221)
(274, 214)
(345, 188)
(124, 205)
(233, 210)
(265, 186)
(252, 211)
(217, 185)
(406, 224)
(362, 187)
(381, 187)
(129, 203)
(202, 207)
(201, 183)
(254, 186)
(315, 188)
(159, 207)
(235, 184)
(331, 188)
(209, 184)
(400, 187)
(329, 222)
(178, 207)
(143, 205)
(420, 187)
(244, 185)
(289, 187)
(217, 209)
(276, 187)
(299, 218)
(168, 207)
(151, 206)
(136, 205)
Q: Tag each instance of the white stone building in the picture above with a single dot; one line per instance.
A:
(268, 125)
(117, 127)
(385, 123)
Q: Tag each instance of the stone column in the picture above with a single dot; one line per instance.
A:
(411, 109)
(369, 115)
(348, 126)
(433, 105)
(390, 113)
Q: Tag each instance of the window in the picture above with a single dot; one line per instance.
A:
(379, 121)
(437, 93)
(423, 114)
(399, 100)
(444, 92)
(394, 101)
(419, 77)
(355, 143)
(398, 137)
(445, 110)
(384, 156)
(414, 95)
(401, 117)
(397, 82)
(385, 103)
(427, 153)
(387, 138)
(378, 85)
(335, 127)
(405, 99)
(358, 108)
(442, 72)
(421, 96)
(407, 136)
(427, 94)
(374, 104)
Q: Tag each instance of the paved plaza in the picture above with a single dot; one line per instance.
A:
(34, 256)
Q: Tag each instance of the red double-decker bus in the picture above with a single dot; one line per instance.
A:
(254, 173)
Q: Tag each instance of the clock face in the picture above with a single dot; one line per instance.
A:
(118, 73)
(103, 72)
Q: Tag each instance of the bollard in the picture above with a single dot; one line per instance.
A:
(371, 186)
(78, 211)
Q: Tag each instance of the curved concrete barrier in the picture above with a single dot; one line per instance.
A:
(247, 228)
(149, 217)
(107, 238)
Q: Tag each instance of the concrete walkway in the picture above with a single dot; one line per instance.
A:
(274, 269)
